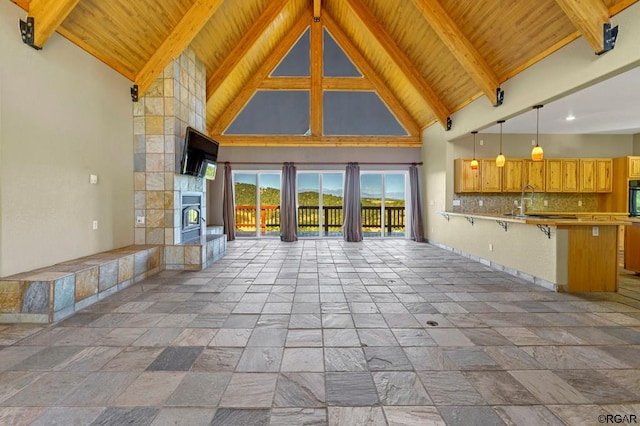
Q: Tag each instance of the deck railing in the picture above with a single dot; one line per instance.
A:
(308, 218)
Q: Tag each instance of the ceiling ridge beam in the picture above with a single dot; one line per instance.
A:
(319, 141)
(48, 15)
(177, 41)
(271, 61)
(386, 42)
(390, 100)
(241, 48)
(461, 48)
(589, 17)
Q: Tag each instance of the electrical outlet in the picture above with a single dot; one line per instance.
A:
(595, 231)
(533, 142)
(95, 225)
(93, 179)
(490, 247)
(481, 142)
(546, 203)
(580, 203)
(140, 220)
(456, 203)
(480, 203)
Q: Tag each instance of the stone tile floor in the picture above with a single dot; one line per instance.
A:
(327, 332)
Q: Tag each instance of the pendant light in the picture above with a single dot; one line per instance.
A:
(537, 154)
(474, 162)
(500, 158)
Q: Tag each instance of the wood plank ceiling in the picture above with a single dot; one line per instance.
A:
(425, 58)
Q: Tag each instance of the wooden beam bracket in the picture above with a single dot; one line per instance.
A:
(449, 123)
(499, 97)
(27, 31)
(609, 36)
(134, 93)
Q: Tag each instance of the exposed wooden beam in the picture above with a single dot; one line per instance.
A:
(243, 46)
(47, 16)
(328, 83)
(285, 83)
(347, 83)
(467, 55)
(317, 6)
(262, 73)
(181, 36)
(589, 17)
(394, 105)
(319, 141)
(386, 42)
(316, 77)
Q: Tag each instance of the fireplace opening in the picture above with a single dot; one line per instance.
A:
(191, 217)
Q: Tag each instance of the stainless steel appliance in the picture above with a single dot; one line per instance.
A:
(634, 198)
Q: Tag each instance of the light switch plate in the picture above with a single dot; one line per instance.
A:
(456, 203)
(93, 179)
(595, 231)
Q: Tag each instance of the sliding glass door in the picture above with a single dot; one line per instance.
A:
(383, 199)
(320, 204)
(253, 189)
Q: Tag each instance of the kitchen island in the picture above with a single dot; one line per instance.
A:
(559, 252)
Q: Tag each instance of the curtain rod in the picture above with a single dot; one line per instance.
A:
(313, 163)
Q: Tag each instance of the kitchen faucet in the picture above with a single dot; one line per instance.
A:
(522, 206)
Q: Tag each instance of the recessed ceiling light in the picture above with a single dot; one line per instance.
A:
(570, 117)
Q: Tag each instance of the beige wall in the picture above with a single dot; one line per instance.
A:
(309, 155)
(63, 116)
(571, 68)
(636, 144)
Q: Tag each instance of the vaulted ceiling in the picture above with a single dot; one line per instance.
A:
(425, 58)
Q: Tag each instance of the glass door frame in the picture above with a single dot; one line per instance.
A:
(407, 201)
(321, 218)
(257, 205)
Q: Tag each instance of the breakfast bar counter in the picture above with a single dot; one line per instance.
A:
(561, 252)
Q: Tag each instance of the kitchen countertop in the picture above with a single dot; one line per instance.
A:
(536, 218)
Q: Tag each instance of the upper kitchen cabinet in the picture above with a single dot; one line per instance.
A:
(570, 175)
(491, 176)
(534, 174)
(596, 174)
(465, 179)
(513, 175)
(553, 175)
(604, 175)
(633, 167)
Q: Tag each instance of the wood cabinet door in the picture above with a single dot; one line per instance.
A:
(465, 179)
(513, 176)
(491, 176)
(534, 175)
(587, 175)
(604, 172)
(634, 167)
(570, 176)
(553, 175)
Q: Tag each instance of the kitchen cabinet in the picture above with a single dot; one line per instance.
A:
(604, 175)
(534, 174)
(513, 175)
(570, 174)
(632, 247)
(587, 175)
(465, 179)
(491, 176)
(634, 167)
(553, 175)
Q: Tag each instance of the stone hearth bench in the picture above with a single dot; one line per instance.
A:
(49, 294)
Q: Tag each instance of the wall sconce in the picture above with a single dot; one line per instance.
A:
(500, 158)
(537, 154)
(474, 162)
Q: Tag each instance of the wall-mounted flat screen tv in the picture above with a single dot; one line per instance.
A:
(200, 155)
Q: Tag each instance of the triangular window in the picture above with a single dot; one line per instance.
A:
(336, 63)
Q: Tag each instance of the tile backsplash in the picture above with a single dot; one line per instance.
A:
(502, 203)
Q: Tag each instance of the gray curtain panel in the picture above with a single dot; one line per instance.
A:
(228, 205)
(288, 216)
(417, 230)
(352, 219)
